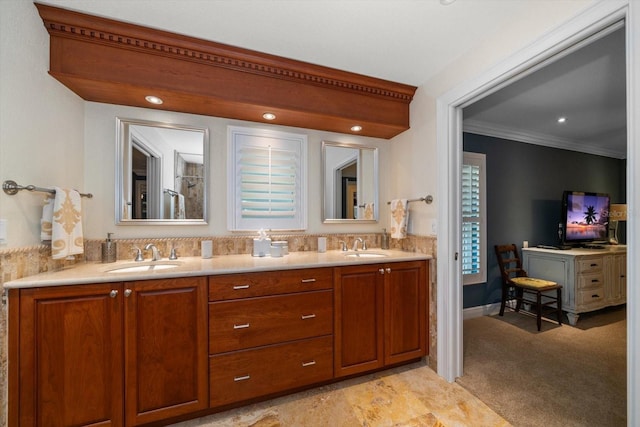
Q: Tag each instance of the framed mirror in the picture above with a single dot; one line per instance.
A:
(350, 182)
(162, 172)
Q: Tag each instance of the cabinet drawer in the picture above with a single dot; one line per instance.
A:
(589, 265)
(589, 281)
(588, 298)
(252, 322)
(233, 286)
(247, 374)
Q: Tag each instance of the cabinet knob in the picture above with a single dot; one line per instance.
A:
(127, 292)
(388, 270)
(381, 271)
(113, 293)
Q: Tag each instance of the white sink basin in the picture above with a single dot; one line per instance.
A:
(365, 255)
(144, 267)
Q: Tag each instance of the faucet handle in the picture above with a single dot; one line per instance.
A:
(364, 245)
(139, 256)
(173, 255)
(344, 245)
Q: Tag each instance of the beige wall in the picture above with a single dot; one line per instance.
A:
(41, 122)
(413, 153)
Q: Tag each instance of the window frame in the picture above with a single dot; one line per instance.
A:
(477, 160)
(261, 138)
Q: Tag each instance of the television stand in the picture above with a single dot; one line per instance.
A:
(590, 279)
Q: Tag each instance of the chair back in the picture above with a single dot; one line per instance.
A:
(509, 262)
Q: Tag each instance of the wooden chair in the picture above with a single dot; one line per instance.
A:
(516, 284)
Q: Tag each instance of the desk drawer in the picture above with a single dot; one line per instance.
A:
(590, 298)
(252, 322)
(589, 265)
(233, 286)
(589, 281)
(246, 374)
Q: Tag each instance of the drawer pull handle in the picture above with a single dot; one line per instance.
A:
(308, 280)
(308, 316)
(305, 364)
(594, 280)
(237, 287)
(594, 265)
(243, 326)
(595, 296)
(242, 378)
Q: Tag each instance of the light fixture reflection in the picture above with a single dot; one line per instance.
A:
(269, 116)
(562, 119)
(356, 128)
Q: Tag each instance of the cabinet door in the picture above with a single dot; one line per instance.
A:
(405, 311)
(70, 363)
(166, 348)
(359, 330)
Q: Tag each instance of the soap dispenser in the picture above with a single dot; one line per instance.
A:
(109, 250)
(385, 239)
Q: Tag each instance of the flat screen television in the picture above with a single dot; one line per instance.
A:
(585, 217)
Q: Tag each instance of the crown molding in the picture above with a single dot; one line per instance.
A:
(513, 134)
(105, 60)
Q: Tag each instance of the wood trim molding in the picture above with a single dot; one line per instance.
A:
(98, 57)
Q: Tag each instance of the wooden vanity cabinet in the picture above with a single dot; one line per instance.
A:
(269, 332)
(380, 315)
(108, 354)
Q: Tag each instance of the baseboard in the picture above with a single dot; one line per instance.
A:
(481, 310)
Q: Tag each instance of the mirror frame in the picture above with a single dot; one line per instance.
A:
(123, 140)
(376, 201)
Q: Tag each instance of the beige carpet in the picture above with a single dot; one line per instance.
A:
(560, 376)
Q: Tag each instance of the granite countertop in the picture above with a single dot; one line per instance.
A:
(95, 272)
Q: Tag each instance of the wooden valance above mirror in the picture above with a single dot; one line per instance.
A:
(104, 60)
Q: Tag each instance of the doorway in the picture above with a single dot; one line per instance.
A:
(449, 143)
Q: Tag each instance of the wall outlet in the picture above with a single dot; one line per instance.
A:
(434, 226)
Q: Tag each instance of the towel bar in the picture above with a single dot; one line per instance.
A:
(11, 188)
(428, 200)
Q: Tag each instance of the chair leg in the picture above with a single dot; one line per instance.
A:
(539, 309)
(505, 290)
(559, 305)
(519, 296)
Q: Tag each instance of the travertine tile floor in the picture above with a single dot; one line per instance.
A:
(408, 396)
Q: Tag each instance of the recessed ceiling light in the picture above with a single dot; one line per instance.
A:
(356, 128)
(562, 119)
(153, 99)
(269, 116)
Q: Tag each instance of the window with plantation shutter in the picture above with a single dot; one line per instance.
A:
(474, 233)
(267, 182)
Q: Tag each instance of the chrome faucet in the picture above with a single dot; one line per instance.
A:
(139, 257)
(155, 252)
(355, 244)
(344, 245)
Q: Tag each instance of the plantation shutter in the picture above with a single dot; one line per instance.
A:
(267, 180)
(473, 219)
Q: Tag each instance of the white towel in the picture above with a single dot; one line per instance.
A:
(368, 211)
(66, 230)
(179, 207)
(399, 218)
(47, 218)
